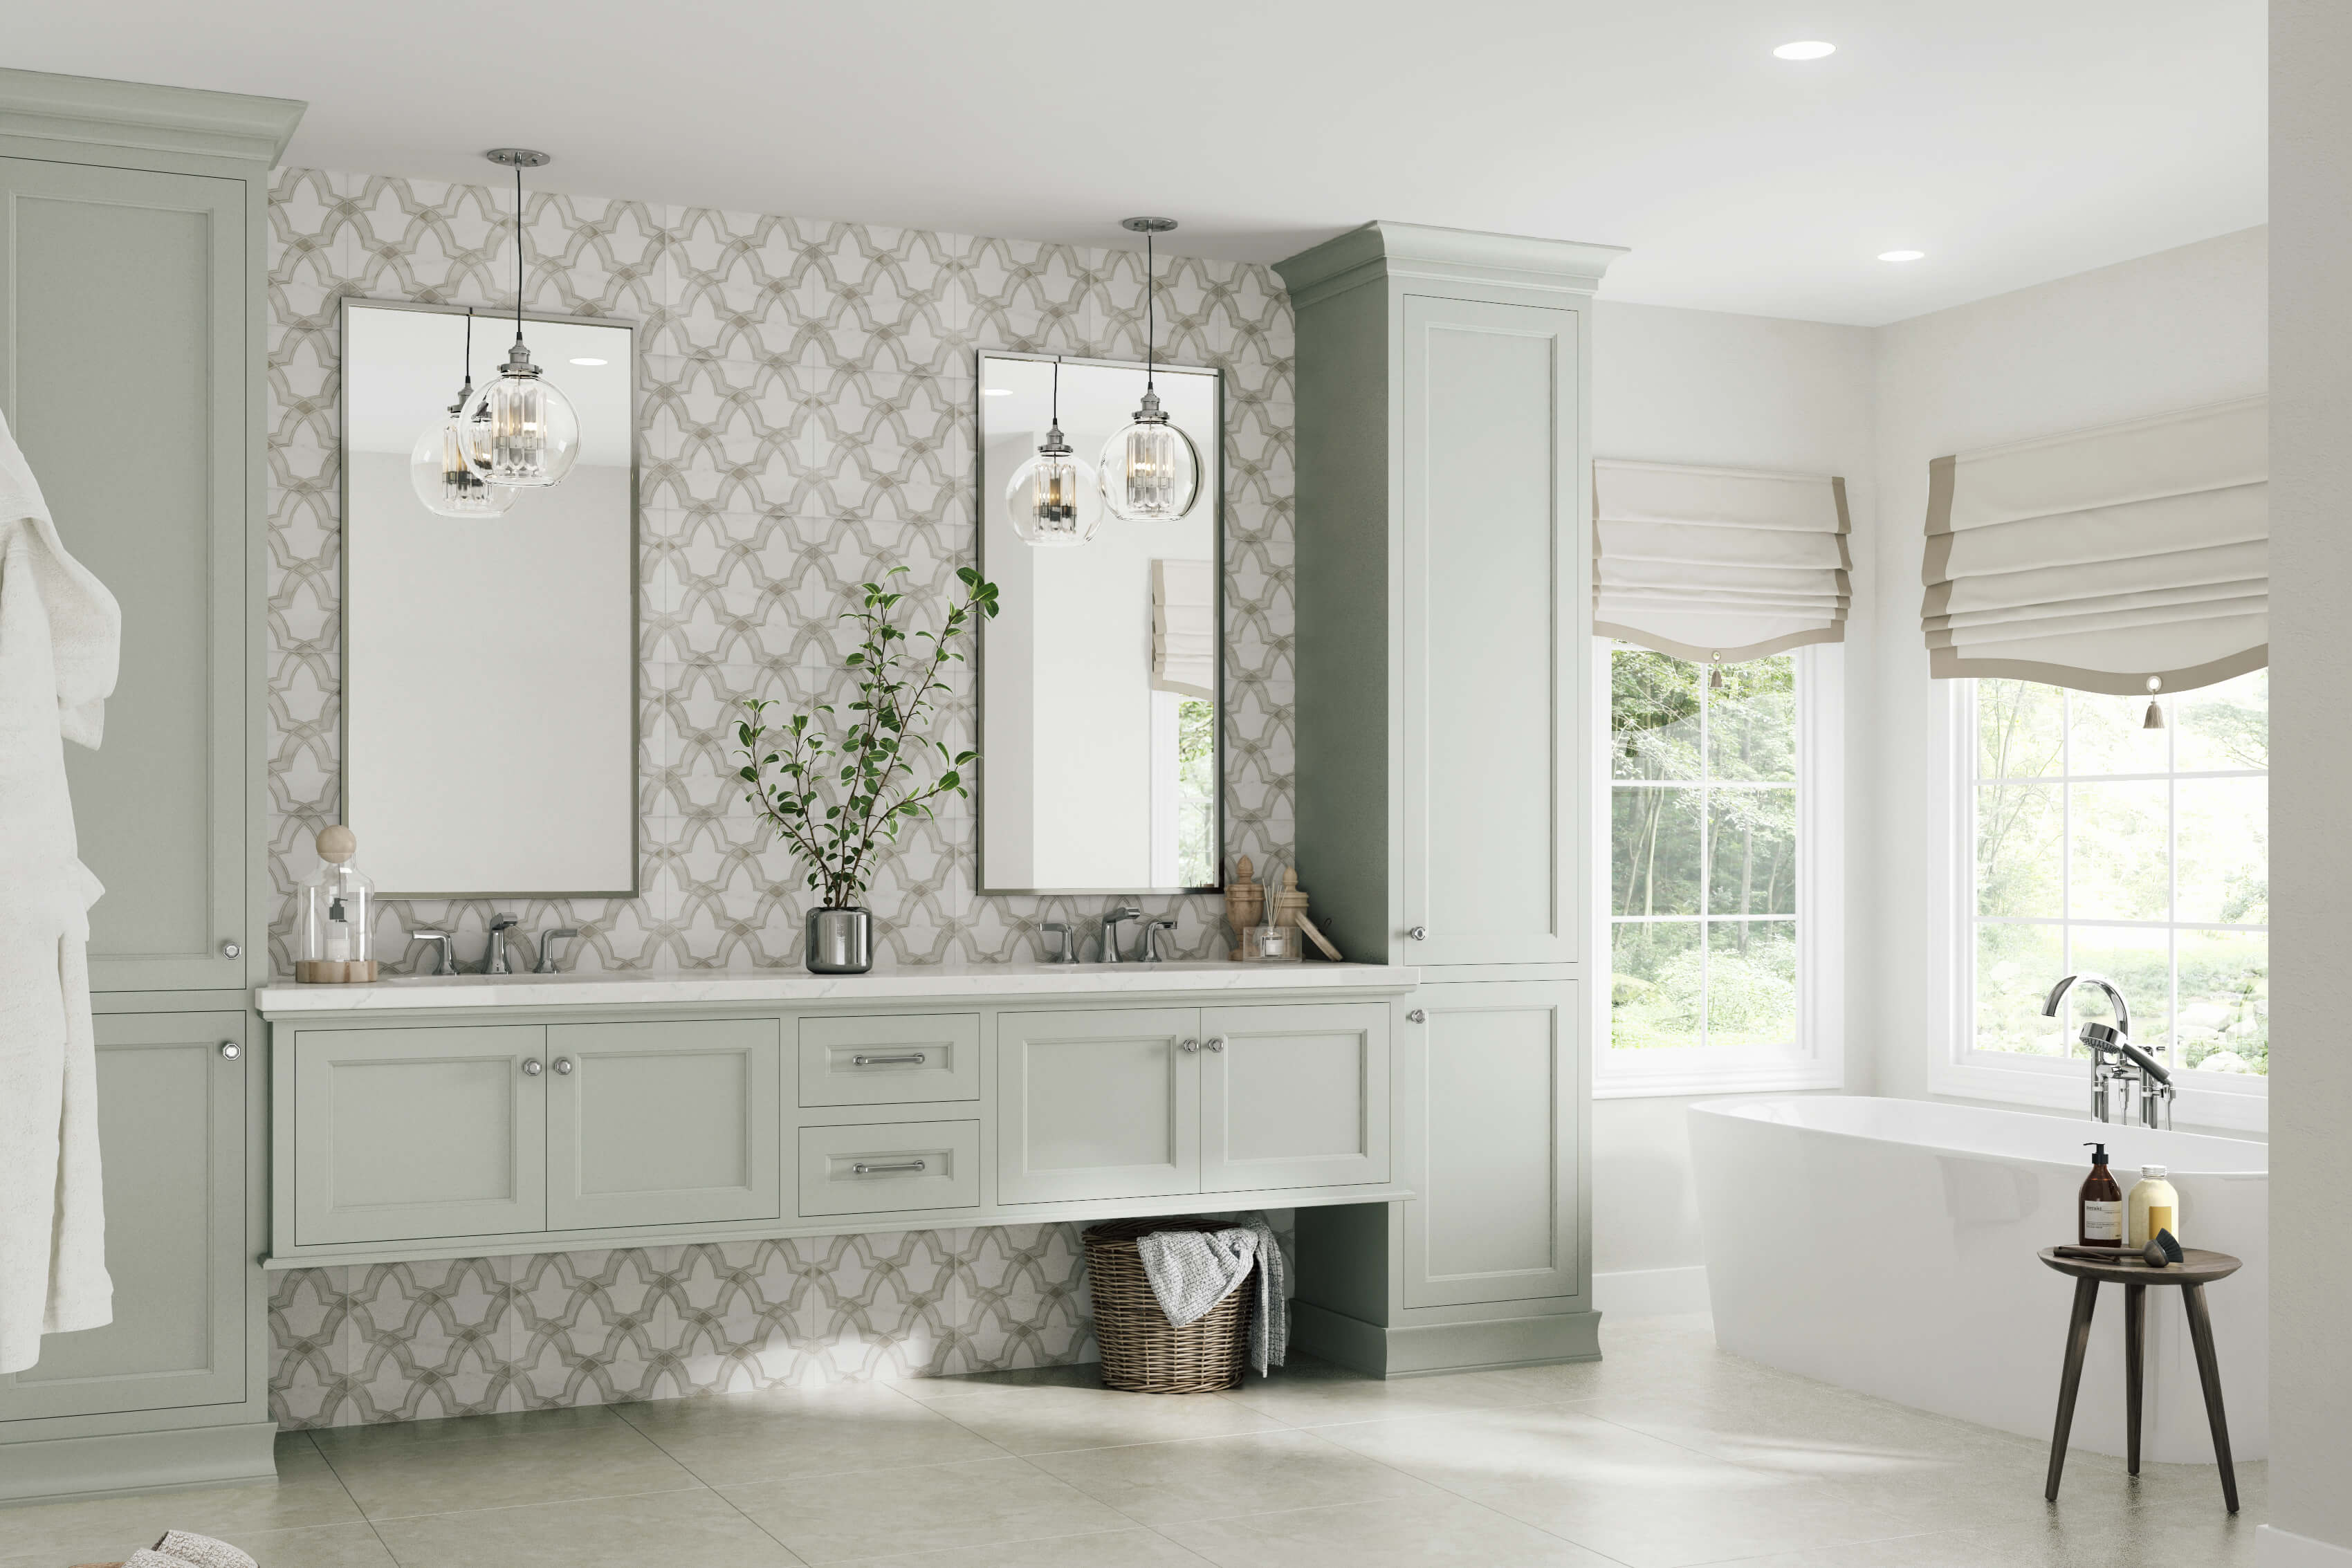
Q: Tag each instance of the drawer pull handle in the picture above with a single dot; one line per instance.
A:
(862, 1168)
(531, 1068)
(911, 1059)
(1214, 1043)
(563, 1064)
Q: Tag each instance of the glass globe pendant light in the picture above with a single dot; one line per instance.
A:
(441, 465)
(1051, 496)
(521, 431)
(1151, 470)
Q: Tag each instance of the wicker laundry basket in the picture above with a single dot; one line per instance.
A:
(1142, 1352)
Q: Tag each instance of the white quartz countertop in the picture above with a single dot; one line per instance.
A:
(926, 982)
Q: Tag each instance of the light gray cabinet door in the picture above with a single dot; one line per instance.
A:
(1499, 1214)
(405, 1134)
(1097, 1105)
(1294, 1096)
(664, 1123)
(1491, 647)
(122, 373)
(170, 1129)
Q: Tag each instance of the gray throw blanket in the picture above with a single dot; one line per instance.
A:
(1193, 1270)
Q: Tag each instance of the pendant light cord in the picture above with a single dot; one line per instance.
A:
(469, 347)
(518, 253)
(1151, 321)
(1056, 420)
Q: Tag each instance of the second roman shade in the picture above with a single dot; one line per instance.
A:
(2122, 559)
(1717, 564)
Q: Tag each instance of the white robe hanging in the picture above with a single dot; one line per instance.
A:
(60, 637)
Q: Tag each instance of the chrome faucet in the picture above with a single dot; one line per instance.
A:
(494, 957)
(1066, 946)
(1113, 918)
(2116, 1061)
(546, 941)
(446, 962)
(1150, 930)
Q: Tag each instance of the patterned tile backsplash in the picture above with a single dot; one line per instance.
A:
(809, 409)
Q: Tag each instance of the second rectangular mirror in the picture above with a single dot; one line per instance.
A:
(1102, 679)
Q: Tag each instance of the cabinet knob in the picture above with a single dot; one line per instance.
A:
(1188, 1045)
(229, 950)
(1214, 1043)
(531, 1068)
(563, 1064)
(1419, 933)
(1417, 1016)
(230, 1051)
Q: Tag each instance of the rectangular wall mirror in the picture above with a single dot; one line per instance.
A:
(1102, 678)
(489, 697)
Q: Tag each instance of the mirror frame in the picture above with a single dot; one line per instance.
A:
(636, 584)
(983, 500)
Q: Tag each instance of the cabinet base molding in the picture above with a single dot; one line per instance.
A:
(56, 1467)
(1413, 1350)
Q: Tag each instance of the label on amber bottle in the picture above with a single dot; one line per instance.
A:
(2103, 1220)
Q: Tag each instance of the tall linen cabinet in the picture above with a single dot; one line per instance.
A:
(1444, 619)
(131, 311)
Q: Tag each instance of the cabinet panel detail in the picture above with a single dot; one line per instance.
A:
(1491, 638)
(662, 1122)
(1497, 1217)
(1294, 1096)
(171, 1128)
(1098, 1104)
(413, 1133)
(888, 1167)
(902, 1059)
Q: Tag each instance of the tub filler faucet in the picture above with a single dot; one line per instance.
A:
(2115, 1061)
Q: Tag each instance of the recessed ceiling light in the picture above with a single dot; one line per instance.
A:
(1805, 49)
(591, 361)
(996, 391)
(1901, 255)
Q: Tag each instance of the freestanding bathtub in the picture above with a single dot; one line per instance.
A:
(1888, 1246)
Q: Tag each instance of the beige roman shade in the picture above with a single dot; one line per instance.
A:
(1718, 563)
(2104, 558)
(1184, 628)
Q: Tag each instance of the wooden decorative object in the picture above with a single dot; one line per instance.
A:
(1289, 903)
(1245, 903)
(1322, 943)
(1142, 1352)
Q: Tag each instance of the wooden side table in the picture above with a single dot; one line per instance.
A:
(2191, 1275)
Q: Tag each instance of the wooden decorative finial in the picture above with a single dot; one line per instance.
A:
(337, 844)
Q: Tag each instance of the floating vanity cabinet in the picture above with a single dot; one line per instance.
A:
(663, 1124)
(1097, 1105)
(132, 253)
(1443, 641)
(1147, 1102)
(404, 1133)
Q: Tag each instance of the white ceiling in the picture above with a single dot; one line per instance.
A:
(2013, 141)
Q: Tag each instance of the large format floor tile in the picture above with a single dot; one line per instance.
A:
(1668, 1454)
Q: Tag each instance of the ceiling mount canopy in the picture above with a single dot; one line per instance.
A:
(2132, 559)
(1719, 565)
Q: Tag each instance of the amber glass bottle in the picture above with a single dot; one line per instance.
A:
(2103, 1204)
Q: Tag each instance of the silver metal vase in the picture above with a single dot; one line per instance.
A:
(840, 941)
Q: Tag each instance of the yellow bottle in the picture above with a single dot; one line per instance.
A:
(2153, 1205)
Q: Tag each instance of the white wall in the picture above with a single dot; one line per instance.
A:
(2311, 571)
(1699, 386)
(2165, 331)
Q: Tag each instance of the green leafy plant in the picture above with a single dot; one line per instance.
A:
(839, 800)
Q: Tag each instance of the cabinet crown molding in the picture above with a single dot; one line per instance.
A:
(92, 113)
(1408, 250)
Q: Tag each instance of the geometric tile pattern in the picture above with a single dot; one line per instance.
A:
(403, 1341)
(809, 414)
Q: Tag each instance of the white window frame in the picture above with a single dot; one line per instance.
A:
(1819, 1060)
(2230, 1100)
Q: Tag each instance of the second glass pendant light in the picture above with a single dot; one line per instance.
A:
(1151, 469)
(441, 467)
(523, 432)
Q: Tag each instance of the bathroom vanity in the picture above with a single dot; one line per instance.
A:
(453, 1117)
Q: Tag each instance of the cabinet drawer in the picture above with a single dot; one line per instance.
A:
(899, 1059)
(833, 1183)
